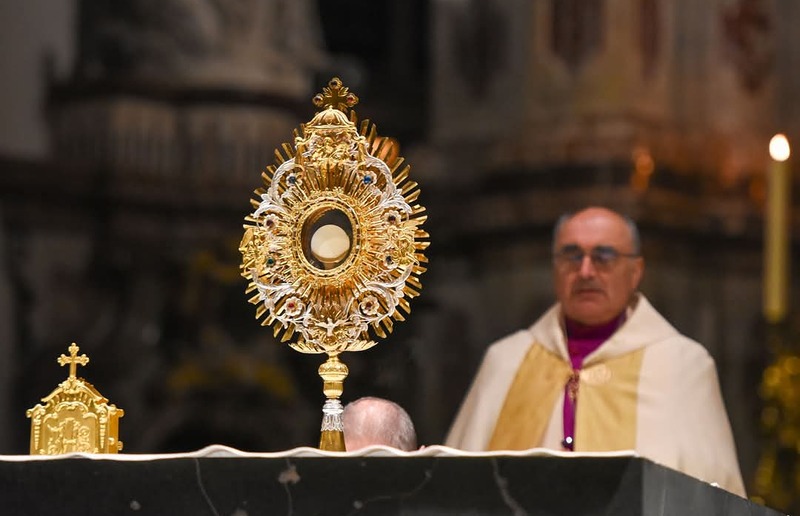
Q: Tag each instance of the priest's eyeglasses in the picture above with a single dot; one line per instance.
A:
(603, 257)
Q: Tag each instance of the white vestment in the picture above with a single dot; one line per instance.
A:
(678, 412)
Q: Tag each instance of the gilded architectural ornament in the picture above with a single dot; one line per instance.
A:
(333, 249)
(777, 476)
(74, 417)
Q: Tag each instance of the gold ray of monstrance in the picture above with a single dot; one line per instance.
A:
(333, 249)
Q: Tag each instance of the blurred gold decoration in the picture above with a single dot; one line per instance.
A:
(334, 247)
(643, 168)
(777, 478)
(74, 417)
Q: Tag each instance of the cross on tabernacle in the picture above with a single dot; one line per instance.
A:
(73, 359)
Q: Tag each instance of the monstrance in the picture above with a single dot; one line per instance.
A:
(334, 247)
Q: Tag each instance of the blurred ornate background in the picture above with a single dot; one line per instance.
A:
(133, 134)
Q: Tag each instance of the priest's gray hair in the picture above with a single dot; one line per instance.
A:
(370, 420)
(633, 229)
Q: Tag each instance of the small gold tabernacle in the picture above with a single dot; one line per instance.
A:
(74, 417)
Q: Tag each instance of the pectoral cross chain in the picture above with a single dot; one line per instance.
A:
(572, 385)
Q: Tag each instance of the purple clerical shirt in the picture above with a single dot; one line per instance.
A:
(581, 341)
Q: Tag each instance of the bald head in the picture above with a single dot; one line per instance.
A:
(632, 228)
(368, 421)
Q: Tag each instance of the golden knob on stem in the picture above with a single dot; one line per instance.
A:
(333, 372)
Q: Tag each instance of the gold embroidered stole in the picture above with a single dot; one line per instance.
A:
(522, 421)
(605, 419)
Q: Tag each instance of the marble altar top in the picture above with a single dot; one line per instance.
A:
(222, 451)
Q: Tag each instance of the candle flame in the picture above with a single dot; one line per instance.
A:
(779, 148)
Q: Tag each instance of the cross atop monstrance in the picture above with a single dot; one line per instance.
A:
(73, 359)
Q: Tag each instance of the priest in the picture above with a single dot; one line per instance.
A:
(601, 370)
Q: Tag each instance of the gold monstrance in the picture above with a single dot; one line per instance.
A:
(334, 246)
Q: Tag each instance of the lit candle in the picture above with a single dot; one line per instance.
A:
(776, 231)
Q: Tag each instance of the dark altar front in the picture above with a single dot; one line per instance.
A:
(222, 481)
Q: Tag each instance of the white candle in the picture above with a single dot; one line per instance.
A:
(776, 231)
